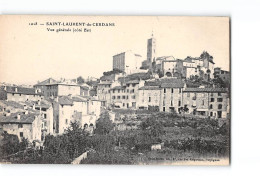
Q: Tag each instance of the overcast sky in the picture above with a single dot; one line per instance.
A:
(31, 53)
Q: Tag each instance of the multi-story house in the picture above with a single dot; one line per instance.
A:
(17, 93)
(67, 109)
(127, 94)
(171, 95)
(211, 102)
(149, 97)
(52, 88)
(223, 74)
(23, 124)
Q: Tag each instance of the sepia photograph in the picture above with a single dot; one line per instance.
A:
(115, 90)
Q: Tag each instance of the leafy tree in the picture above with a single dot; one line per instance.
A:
(104, 125)
(80, 80)
(10, 144)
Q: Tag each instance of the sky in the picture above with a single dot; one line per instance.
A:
(31, 53)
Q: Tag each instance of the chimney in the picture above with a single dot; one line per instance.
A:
(5, 87)
(33, 107)
(57, 99)
(70, 96)
(24, 107)
(15, 89)
(18, 116)
(36, 91)
(26, 112)
(39, 102)
(8, 113)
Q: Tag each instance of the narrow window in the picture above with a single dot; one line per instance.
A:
(21, 134)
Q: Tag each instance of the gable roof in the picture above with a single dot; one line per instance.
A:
(20, 90)
(166, 83)
(46, 82)
(149, 88)
(24, 118)
(205, 90)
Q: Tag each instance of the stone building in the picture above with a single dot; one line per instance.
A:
(171, 95)
(67, 109)
(223, 74)
(52, 88)
(211, 102)
(127, 62)
(17, 93)
(23, 124)
(149, 97)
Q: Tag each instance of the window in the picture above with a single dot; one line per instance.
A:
(20, 125)
(113, 91)
(45, 116)
(179, 90)
(163, 109)
(20, 94)
(164, 90)
(202, 102)
(149, 99)
(21, 134)
(211, 113)
(172, 90)
(123, 97)
(113, 97)
(118, 91)
(123, 104)
(179, 103)
(133, 97)
(171, 103)
(211, 106)
(212, 100)
(219, 94)
(212, 94)
(163, 103)
(118, 97)
(66, 121)
(220, 106)
(220, 99)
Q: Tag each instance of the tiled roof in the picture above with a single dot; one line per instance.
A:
(108, 78)
(105, 83)
(20, 90)
(43, 103)
(149, 88)
(46, 82)
(65, 100)
(12, 104)
(24, 118)
(118, 88)
(205, 90)
(166, 83)
(79, 99)
(132, 82)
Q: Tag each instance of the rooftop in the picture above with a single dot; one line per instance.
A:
(205, 90)
(24, 118)
(149, 88)
(20, 90)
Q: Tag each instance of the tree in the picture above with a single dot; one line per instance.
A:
(104, 125)
(80, 80)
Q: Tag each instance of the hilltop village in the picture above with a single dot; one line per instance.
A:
(191, 87)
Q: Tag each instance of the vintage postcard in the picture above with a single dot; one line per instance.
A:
(134, 90)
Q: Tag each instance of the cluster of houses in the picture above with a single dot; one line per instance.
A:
(157, 84)
(161, 85)
(48, 108)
